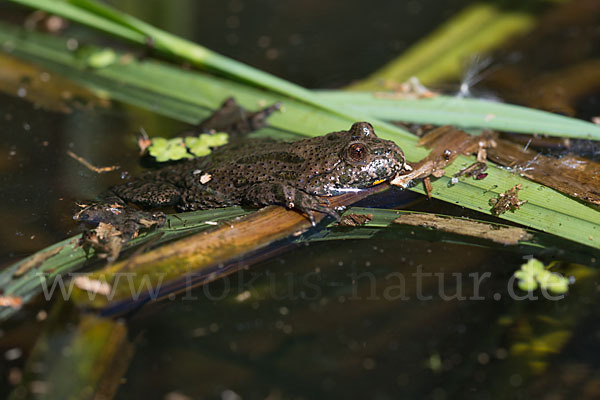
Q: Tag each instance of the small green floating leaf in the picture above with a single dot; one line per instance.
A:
(168, 149)
(179, 148)
(178, 152)
(201, 145)
(553, 282)
(533, 274)
(158, 145)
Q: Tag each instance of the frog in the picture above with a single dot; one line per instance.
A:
(300, 175)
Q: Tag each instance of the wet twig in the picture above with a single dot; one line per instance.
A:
(90, 166)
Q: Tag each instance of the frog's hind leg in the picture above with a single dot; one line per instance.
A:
(149, 194)
(264, 194)
(113, 207)
(126, 220)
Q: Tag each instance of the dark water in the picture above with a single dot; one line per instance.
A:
(359, 319)
(317, 44)
(377, 318)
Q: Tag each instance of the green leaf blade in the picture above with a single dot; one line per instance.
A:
(465, 113)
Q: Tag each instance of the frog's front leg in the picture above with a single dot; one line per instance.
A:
(235, 120)
(266, 193)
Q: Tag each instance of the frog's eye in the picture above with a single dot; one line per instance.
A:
(357, 152)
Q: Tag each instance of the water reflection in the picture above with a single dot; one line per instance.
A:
(361, 319)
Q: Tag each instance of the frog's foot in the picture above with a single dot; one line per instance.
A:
(235, 120)
(123, 218)
(309, 204)
(275, 193)
(105, 239)
(258, 119)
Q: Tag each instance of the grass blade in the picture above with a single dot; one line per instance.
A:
(105, 18)
(465, 113)
(72, 257)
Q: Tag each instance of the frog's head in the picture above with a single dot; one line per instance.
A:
(363, 160)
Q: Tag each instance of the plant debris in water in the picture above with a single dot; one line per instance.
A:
(37, 260)
(475, 170)
(446, 143)
(498, 234)
(428, 187)
(11, 301)
(411, 89)
(90, 166)
(507, 201)
(572, 175)
(355, 219)
(92, 285)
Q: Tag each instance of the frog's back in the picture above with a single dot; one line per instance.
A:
(236, 167)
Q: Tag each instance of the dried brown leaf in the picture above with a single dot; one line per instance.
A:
(503, 235)
(37, 260)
